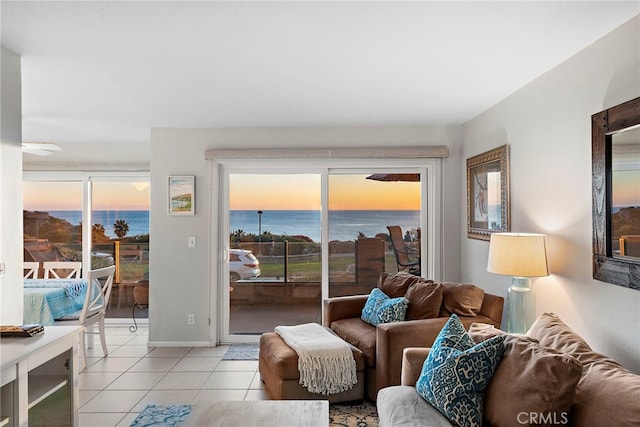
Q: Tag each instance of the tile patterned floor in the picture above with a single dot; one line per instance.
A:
(115, 389)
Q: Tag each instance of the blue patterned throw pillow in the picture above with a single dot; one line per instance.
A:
(382, 309)
(457, 371)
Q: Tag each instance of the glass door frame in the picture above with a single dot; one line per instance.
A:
(430, 170)
(87, 178)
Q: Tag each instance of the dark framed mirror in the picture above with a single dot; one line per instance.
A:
(615, 149)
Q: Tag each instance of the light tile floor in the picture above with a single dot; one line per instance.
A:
(116, 388)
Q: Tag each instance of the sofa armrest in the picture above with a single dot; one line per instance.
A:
(393, 338)
(412, 360)
(342, 308)
(492, 306)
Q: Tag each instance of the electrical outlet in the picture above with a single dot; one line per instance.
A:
(191, 319)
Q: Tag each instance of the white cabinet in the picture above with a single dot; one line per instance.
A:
(34, 368)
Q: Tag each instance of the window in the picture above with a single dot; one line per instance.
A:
(56, 208)
(52, 221)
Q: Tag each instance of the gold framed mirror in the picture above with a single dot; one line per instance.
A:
(615, 167)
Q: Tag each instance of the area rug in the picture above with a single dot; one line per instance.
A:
(360, 415)
(340, 415)
(242, 352)
(162, 416)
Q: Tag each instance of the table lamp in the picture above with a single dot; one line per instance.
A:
(521, 256)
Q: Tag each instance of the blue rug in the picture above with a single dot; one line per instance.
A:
(242, 352)
(162, 416)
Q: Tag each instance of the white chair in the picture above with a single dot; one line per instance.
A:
(62, 269)
(30, 270)
(93, 311)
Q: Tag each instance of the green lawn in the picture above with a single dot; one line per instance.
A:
(311, 270)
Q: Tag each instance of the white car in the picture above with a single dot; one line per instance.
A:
(243, 264)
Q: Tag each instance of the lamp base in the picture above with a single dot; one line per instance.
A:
(520, 305)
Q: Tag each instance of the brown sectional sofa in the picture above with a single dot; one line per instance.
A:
(430, 306)
(549, 377)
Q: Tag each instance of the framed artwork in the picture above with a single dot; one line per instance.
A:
(182, 193)
(488, 193)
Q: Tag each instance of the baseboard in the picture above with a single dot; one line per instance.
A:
(180, 344)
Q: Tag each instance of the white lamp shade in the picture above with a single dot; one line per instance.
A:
(518, 254)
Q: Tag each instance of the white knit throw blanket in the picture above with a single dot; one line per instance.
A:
(325, 362)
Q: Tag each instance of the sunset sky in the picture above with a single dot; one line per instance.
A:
(302, 192)
(281, 192)
(58, 196)
(626, 188)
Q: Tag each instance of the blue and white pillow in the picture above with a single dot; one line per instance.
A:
(457, 371)
(382, 309)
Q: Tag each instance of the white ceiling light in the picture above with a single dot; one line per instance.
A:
(39, 148)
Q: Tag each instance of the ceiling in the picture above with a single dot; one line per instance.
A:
(110, 71)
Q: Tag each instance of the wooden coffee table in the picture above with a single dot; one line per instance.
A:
(261, 413)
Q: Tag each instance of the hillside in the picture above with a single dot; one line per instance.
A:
(626, 222)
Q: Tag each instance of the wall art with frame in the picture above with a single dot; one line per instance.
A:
(182, 192)
(488, 193)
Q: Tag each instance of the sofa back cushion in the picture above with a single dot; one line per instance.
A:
(425, 299)
(531, 384)
(552, 332)
(607, 393)
(463, 299)
(396, 285)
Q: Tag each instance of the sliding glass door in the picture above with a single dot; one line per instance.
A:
(362, 205)
(120, 237)
(274, 251)
(57, 208)
(294, 235)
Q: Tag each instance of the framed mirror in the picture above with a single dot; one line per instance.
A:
(616, 194)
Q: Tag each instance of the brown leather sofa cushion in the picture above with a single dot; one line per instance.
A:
(552, 332)
(463, 299)
(531, 381)
(425, 299)
(482, 331)
(607, 393)
(396, 285)
(359, 334)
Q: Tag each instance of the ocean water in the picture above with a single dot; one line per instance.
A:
(343, 225)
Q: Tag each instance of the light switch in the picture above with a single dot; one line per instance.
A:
(191, 242)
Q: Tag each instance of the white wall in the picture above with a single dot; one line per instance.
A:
(83, 156)
(547, 125)
(179, 276)
(11, 301)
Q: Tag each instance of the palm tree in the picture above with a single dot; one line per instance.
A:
(98, 233)
(121, 228)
